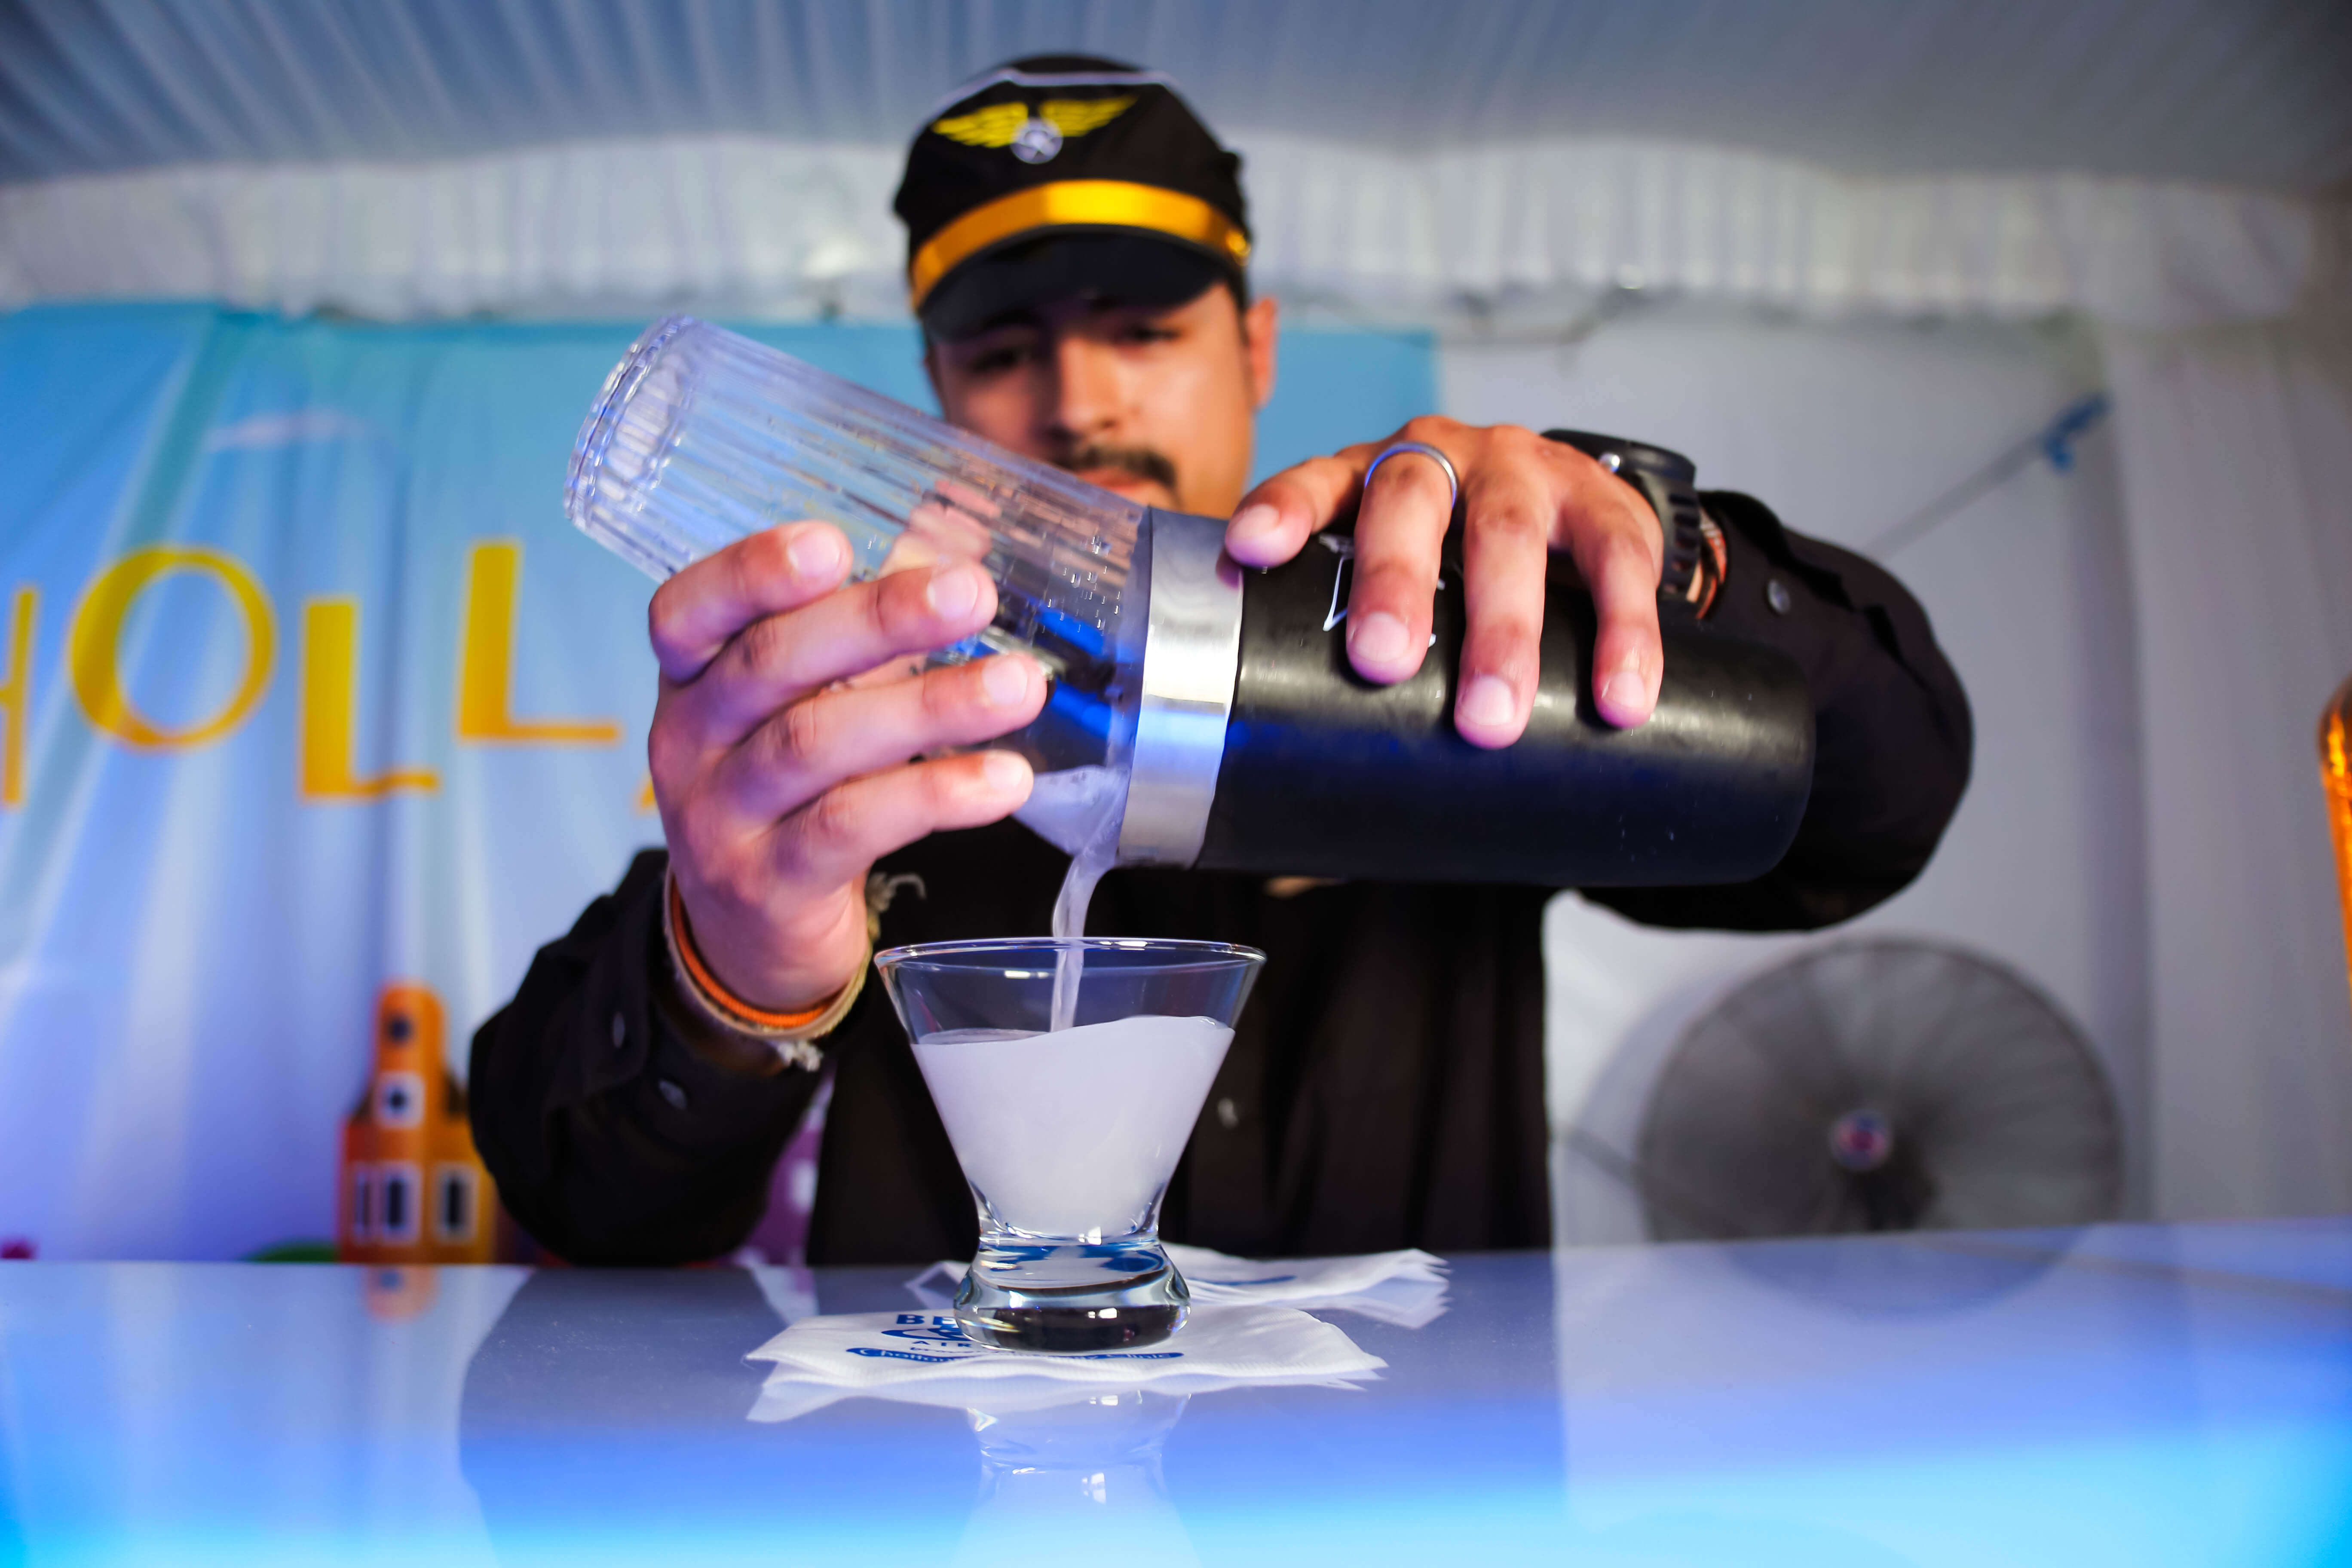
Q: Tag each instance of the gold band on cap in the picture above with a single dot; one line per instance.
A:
(1111, 204)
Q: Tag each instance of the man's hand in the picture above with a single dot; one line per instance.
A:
(1523, 496)
(789, 710)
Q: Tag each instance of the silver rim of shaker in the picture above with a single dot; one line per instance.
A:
(1192, 653)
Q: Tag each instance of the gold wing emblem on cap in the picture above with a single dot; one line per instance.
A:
(994, 126)
(999, 123)
(1077, 116)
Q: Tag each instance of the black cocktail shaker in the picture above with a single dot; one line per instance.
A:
(1311, 769)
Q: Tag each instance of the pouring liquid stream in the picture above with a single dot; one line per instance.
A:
(1085, 869)
(1080, 810)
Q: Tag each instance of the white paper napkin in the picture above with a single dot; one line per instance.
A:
(923, 1357)
(1406, 1288)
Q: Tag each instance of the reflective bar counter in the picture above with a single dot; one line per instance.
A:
(2126, 1395)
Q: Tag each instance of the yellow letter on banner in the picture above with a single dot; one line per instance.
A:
(93, 649)
(485, 662)
(330, 706)
(16, 698)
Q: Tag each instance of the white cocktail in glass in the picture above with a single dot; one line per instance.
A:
(1069, 1136)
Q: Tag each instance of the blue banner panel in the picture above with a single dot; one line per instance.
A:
(316, 719)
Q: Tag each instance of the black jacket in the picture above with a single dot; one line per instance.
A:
(1385, 1084)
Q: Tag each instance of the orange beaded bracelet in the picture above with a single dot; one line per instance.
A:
(786, 1029)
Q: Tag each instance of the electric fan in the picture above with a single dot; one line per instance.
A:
(1876, 1086)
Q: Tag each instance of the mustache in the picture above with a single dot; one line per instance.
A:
(1143, 462)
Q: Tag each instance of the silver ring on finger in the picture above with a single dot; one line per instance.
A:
(1453, 479)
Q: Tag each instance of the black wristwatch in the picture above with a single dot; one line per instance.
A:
(1669, 482)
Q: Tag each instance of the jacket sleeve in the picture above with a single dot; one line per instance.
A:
(1892, 733)
(611, 1141)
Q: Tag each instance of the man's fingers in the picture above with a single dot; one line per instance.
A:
(1277, 518)
(774, 662)
(1399, 532)
(1523, 496)
(824, 740)
(695, 614)
(1504, 547)
(842, 832)
(1620, 567)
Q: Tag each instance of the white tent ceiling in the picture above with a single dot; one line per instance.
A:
(2244, 91)
(2154, 162)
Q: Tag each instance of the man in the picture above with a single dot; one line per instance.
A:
(1077, 245)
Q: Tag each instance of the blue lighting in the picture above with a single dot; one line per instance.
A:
(2149, 1395)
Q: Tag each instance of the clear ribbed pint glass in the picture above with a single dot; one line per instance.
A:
(702, 436)
(1068, 1135)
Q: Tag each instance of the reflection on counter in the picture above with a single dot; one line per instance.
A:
(1082, 1474)
(1028, 1457)
(1070, 1447)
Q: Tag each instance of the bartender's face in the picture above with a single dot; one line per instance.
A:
(1155, 404)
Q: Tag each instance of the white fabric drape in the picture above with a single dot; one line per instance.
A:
(1711, 222)
(2236, 448)
(723, 221)
(743, 224)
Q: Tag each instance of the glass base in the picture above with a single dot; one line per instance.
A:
(1071, 1298)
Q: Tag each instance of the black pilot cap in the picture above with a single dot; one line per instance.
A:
(1063, 176)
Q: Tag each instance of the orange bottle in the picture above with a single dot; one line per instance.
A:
(2336, 775)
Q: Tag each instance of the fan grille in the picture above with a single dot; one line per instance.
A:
(1879, 1085)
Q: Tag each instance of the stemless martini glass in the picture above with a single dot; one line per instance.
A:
(1069, 1136)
